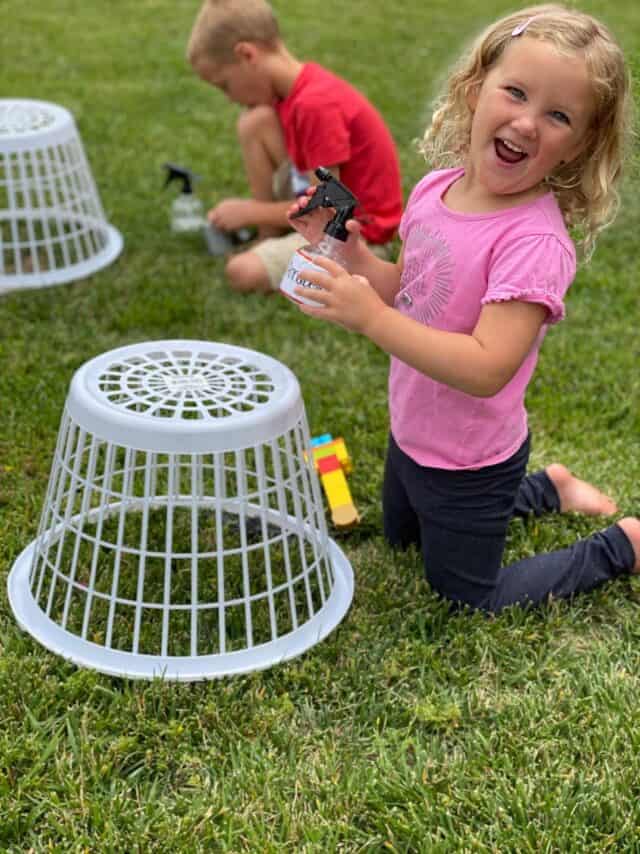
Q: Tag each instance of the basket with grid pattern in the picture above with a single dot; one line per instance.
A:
(52, 226)
(183, 532)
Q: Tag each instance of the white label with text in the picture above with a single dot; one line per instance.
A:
(294, 278)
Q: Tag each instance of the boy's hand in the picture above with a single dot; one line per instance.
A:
(347, 300)
(231, 214)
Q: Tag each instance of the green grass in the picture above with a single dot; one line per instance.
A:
(407, 729)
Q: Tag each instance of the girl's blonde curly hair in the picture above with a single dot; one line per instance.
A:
(586, 188)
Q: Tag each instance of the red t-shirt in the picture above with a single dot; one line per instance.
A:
(326, 122)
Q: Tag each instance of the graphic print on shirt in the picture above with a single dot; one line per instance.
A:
(426, 276)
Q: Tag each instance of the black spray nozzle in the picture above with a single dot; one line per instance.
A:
(331, 193)
(179, 173)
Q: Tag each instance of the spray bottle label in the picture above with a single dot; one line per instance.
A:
(294, 278)
(187, 214)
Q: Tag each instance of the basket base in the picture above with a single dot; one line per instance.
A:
(177, 668)
(73, 272)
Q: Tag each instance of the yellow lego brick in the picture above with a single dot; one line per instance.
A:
(336, 488)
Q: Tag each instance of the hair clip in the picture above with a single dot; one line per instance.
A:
(518, 31)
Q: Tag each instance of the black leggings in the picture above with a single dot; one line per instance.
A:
(459, 519)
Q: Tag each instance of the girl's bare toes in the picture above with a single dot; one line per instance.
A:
(578, 495)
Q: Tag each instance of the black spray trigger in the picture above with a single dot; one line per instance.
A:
(331, 193)
(179, 173)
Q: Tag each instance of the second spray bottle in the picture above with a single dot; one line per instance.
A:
(188, 215)
(330, 193)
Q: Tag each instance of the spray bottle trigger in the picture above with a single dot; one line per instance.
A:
(180, 173)
(329, 193)
(317, 200)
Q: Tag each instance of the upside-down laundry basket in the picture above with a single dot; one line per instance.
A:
(183, 534)
(52, 226)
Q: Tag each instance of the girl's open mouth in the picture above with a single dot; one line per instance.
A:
(508, 152)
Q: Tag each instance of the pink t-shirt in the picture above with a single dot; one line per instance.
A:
(327, 122)
(453, 265)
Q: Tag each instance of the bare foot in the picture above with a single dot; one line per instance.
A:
(631, 527)
(578, 495)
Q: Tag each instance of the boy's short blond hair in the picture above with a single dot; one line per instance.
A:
(221, 24)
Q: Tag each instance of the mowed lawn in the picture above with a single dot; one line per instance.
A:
(407, 729)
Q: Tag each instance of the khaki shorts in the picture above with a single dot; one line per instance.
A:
(283, 181)
(275, 252)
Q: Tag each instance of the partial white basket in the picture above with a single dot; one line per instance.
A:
(183, 534)
(52, 226)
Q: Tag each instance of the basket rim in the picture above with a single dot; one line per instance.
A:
(129, 665)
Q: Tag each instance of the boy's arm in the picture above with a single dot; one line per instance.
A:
(231, 214)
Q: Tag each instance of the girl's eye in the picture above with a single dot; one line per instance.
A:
(559, 116)
(516, 92)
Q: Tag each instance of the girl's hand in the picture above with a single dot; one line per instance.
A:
(347, 300)
(311, 225)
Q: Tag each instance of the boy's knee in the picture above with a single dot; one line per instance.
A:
(246, 273)
(256, 121)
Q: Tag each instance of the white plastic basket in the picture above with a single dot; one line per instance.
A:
(52, 226)
(183, 534)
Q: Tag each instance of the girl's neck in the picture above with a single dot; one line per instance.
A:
(468, 196)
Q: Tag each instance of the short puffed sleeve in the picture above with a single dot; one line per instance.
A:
(534, 268)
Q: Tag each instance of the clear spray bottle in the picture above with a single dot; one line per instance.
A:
(187, 212)
(188, 217)
(330, 193)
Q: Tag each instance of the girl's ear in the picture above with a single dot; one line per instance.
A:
(472, 93)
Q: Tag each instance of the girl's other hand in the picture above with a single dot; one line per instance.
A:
(347, 300)
(310, 225)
